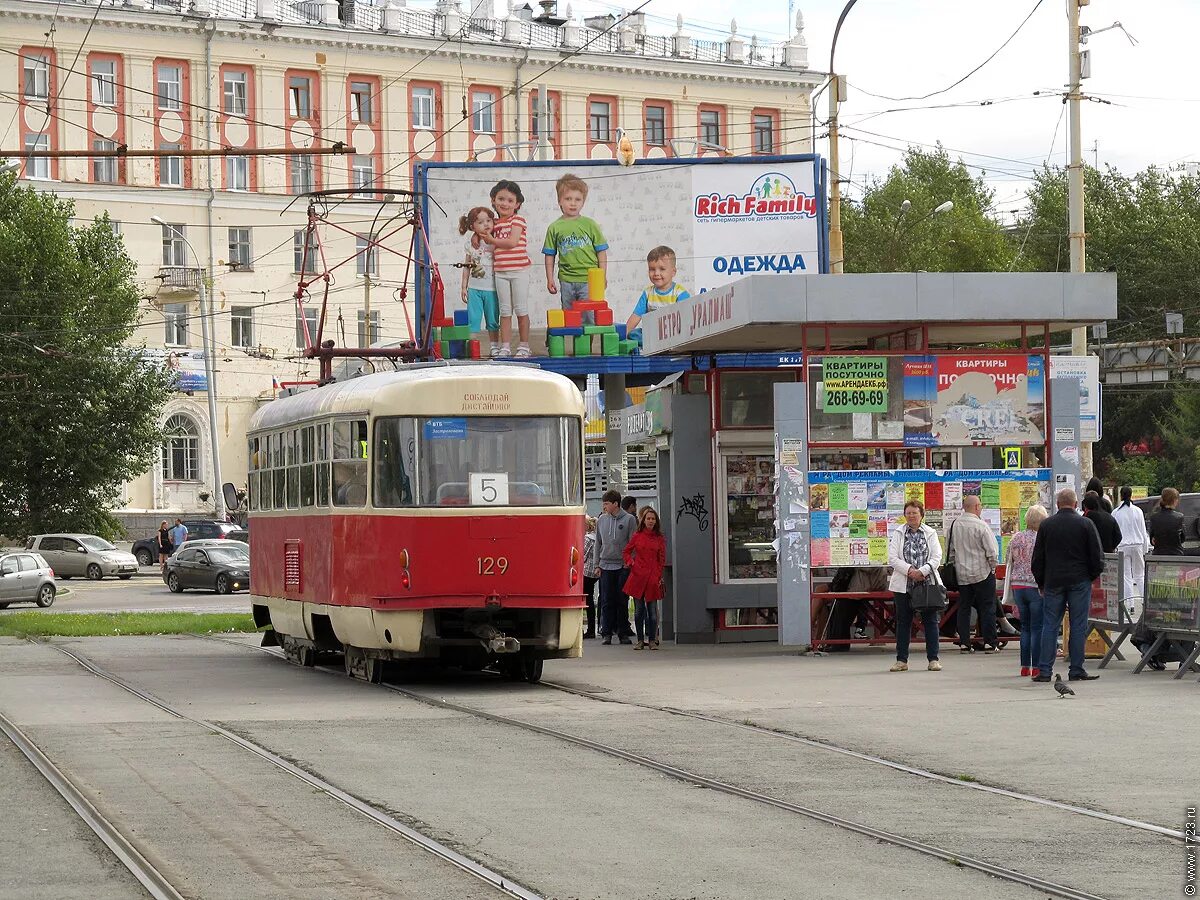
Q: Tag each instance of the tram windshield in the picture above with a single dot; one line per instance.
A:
(478, 461)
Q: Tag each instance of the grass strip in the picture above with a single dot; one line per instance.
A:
(40, 624)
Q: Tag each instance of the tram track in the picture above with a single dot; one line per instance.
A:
(678, 773)
(153, 880)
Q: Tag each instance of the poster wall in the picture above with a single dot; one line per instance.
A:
(981, 399)
(1086, 370)
(724, 219)
(852, 513)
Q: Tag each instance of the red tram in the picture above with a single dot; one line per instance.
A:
(435, 512)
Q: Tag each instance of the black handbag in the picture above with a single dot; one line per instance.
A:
(946, 571)
(927, 594)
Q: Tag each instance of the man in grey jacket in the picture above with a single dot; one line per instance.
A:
(614, 528)
(975, 553)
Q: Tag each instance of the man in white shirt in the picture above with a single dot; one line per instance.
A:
(975, 553)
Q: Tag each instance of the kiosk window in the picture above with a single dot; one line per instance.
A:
(750, 522)
(748, 398)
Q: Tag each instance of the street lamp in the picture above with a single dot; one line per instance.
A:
(836, 251)
(210, 374)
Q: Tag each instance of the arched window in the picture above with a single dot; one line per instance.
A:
(181, 450)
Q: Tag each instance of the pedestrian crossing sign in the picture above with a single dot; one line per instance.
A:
(1012, 457)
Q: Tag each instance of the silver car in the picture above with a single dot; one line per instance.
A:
(83, 554)
(25, 578)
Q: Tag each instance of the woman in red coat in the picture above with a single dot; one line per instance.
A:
(645, 557)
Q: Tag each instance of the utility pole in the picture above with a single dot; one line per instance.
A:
(1075, 190)
(835, 186)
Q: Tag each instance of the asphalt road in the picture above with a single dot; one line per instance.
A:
(144, 592)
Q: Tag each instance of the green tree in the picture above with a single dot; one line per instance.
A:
(881, 236)
(80, 407)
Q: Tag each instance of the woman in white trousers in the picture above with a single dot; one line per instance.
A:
(1135, 544)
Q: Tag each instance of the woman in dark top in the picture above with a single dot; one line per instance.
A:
(1106, 525)
(165, 547)
(1094, 485)
(1166, 526)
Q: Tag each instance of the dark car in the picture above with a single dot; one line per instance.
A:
(146, 550)
(1189, 508)
(212, 567)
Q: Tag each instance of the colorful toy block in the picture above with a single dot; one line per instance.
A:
(556, 345)
(461, 317)
(622, 331)
(443, 349)
(583, 345)
(458, 349)
(588, 305)
(609, 344)
(565, 332)
(627, 348)
(572, 318)
(443, 323)
(604, 317)
(599, 329)
(457, 333)
(555, 318)
(473, 349)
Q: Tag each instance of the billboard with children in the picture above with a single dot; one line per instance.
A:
(661, 231)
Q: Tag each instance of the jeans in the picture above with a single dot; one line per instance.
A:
(569, 292)
(980, 596)
(589, 597)
(645, 613)
(614, 608)
(1029, 603)
(1077, 599)
(930, 619)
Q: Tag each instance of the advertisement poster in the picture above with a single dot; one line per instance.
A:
(723, 219)
(1172, 595)
(853, 513)
(977, 399)
(855, 384)
(1087, 370)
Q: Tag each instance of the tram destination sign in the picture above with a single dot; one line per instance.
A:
(855, 384)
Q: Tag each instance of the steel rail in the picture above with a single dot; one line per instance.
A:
(466, 864)
(879, 760)
(141, 868)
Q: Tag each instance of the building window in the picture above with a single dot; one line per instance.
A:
(302, 174)
(364, 339)
(366, 258)
(174, 247)
(115, 227)
(241, 325)
(360, 102)
(240, 258)
(234, 93)
(300, 97)
(104, 168)
(710, 127)
(39, 166)
(764, 133)
(35, 70)
(181, 450)
(656, 125)
(600, 121)
(175, 316)
(170, 168)
(483, 112)
(423, 108)
(309, 318)
(237, 173)
(104, 82)
(301, 264)
(363, 173)
(169, 87)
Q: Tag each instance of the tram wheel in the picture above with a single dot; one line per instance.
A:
(363, 667)
(522, 668)
(297, 653)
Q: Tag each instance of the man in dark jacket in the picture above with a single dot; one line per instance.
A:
(1106, 526)
(1166, 526)
(1066, 560)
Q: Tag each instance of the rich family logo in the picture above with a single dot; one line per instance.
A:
(772, 195)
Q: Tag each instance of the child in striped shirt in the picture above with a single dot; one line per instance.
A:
(512, 265)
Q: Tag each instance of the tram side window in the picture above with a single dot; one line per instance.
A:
(322, 449)
(393, 457)
(308, 483)
(253, 466)
(350, 463)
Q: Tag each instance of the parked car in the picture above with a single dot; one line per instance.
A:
(25, 578)
(221, 567)
(1189, 508)
(211, 542)
(83, 554)
(242, 534)
(146, 550)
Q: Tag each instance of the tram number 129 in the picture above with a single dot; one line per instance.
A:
(492, 565)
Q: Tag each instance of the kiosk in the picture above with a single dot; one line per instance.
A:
(866, 387)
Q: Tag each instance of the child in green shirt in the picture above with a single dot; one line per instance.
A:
(577, 242)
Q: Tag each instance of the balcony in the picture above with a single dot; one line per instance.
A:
(180, 279)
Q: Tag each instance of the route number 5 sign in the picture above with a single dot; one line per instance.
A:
(489, 489)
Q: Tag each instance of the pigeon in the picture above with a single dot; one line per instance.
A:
(1062, 689)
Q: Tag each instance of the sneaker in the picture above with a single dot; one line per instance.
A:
(861, 634)
(502, 353)
(990, 648)
(966, 649)
(1034, 672)
(654, 645)
(607, 639)
(495, 351)
(523, 352)
(1024, 669)
(640, 645)
(898, 666)
(935, 665)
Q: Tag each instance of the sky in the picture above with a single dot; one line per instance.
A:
(909, 48)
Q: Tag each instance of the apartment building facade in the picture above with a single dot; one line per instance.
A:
(399, 85)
